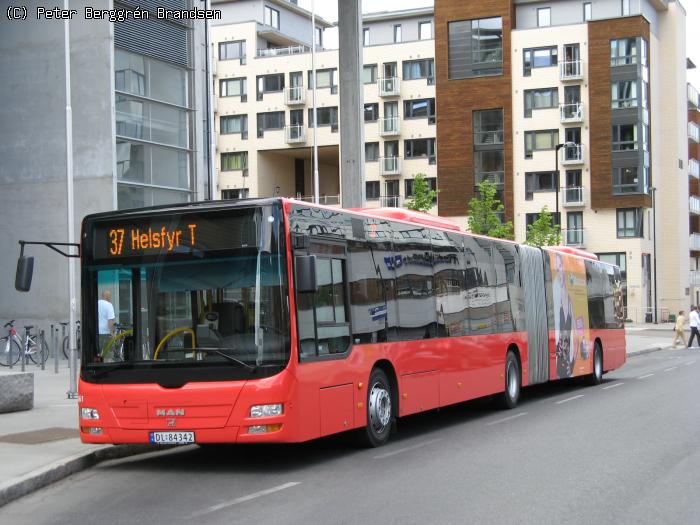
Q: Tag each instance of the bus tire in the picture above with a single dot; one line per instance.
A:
(511, 393)
(597, 376)
(380, 410)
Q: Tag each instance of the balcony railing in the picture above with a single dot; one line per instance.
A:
(328, 200)
(283, 51)
(572, 196)
(483, 138)
(389, 86)
(693, 97)
(571, 112)
(694, 168)
(295, 95)
(694, 278)
(693, 132)
(571, 70)
(694, 205)
(389, 126)
(573, 237)
(694, 242)
(294, 134)
(390, 201)
(572, 155)
(389, 165)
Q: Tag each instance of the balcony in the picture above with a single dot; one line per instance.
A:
(389, 165)
(693, 132)
(389, 126)
(693, 97)
(694, 242)
(571, 70)
(389, 86)
(572, 196)
(328, 200)
(294, 96)
(573, 238)
(569, 113)
(694, 278)
(694, 205)
(294, 134)
(694, 168)
(571, 155)
(390, 201)
(283, 51)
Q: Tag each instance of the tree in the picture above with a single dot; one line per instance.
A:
(483, 213)
(423, 197)
(543, 232)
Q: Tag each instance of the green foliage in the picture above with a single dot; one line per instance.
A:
(483, 213)
(423, 196)
(543, 232)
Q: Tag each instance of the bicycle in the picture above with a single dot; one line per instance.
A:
(10, 346)
(66, 340)
(28, 348)
(116, 342)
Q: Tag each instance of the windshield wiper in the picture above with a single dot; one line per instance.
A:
(219, 351)
(104, 370)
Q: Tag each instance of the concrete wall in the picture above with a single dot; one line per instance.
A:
(382, 32)
(241, 11)
(571, 11)
(32, 146)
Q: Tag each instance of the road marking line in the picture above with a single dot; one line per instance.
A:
(243, 499)
(568, 399)
(505, 419)
(405, 449)
(689, 363)
(65, 405)
(669, 369)
(612, 386)
(645, 376)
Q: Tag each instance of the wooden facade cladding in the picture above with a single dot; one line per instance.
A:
(457, 99)
(694, 184)
(600, 33)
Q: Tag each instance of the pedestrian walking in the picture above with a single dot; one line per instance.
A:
(680, 329)
(694, 319)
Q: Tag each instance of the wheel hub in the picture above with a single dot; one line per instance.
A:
(379, 407)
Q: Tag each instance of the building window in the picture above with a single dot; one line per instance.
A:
(270, 121)
(369, 74)
(325, 78)
(269, 84)
(425, 30)
(232, 50)
(232, 87)
(419, 108)
(234, 161)
(475, 48)
(372, 190)
(415, 69)
(272, 17)
(623, 51)
(574, 228)
(365, 36)
(587, 11)
(539, 57)
(240, 193)
(397, 33)
(488, 127)
(540, 99)
(371, 152)
(617, 258)
(530, 218)
(544, 17)
(625, 7)
(230, 124)
(624, 137)
(326, 116)
(371, 112)
(540, 141)
(626, 180)
(630, 222)
(319, 37)
(624, 94)
(419, 148)
(538, 181)
(408, 187)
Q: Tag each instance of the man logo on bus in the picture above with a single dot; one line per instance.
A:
(163, 412)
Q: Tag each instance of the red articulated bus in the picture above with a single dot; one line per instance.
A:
(272, 320)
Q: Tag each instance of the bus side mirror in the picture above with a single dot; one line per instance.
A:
(305, 267)
(25, 270)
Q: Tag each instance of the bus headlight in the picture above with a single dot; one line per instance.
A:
(266, 410)
(89, 413)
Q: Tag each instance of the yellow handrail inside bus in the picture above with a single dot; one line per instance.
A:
(114, 339)
(172, 333)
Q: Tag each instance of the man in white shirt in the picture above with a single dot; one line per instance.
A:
(694, 318)
(105, 317)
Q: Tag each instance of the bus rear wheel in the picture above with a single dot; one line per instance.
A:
(511, 394)
(380, 410)
(597, 376)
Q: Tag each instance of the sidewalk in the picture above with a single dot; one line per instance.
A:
(42, 445)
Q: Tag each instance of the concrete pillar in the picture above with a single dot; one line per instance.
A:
(352, 136)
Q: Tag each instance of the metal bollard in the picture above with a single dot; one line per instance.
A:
(23, 357)
(42, 342)
(55, 349)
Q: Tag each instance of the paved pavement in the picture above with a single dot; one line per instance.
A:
(40, 446)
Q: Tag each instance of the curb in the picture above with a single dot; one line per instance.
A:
(648, 351)
(58, 470)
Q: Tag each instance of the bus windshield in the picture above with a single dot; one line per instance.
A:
(219, 300)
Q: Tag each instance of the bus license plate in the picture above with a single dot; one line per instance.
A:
(172, 438)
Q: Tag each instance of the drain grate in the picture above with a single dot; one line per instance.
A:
(43, 435)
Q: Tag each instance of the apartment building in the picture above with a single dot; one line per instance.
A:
(694, 187)
(263, 106)
(579, 106)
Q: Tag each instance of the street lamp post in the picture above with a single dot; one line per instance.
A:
(653, 207)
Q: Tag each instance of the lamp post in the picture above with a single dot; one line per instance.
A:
(653, 207)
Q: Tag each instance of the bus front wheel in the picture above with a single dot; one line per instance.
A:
(380, 410)
(511, 393)
(597, 376)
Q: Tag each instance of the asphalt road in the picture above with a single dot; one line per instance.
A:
(626, 451)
